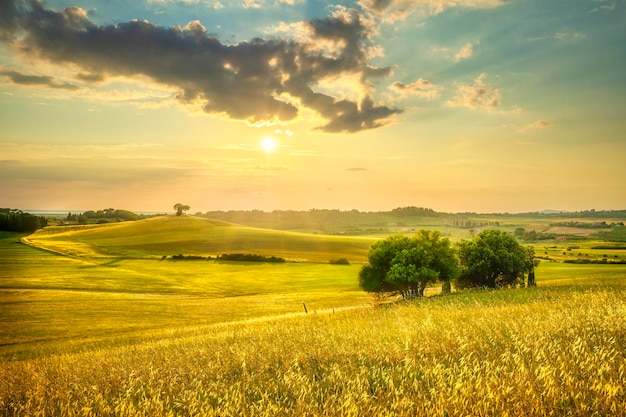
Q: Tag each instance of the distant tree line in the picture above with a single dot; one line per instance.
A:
(470, 224)
(326, 220)
(587, 225)
(602, 214)
(102, 216)
(242, 257)
(358, 222)
(406, 265)
(13, 220)
(533, 236)
(249, 257)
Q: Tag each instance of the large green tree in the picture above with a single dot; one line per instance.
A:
(494, 259)
(408, 264)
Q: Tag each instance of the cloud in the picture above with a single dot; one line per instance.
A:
(8, 19)
(261, 81)
(538, 125)
(464, 53)
(89, 170)
(609, 7)
(477, 96)
(392, 10)
(421, 88)
(17, 77)
(566, 35)
(356, 169)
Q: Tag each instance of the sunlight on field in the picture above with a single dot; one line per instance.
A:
(553, 273)
(50, 301)
(163, 236)
(114, 336)
(517, 353)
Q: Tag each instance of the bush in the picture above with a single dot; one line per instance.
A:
(339, 261)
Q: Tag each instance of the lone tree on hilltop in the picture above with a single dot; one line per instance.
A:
(408, 264)
(494, 259)
(180, 208)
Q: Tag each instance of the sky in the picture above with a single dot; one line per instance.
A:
(455, 105)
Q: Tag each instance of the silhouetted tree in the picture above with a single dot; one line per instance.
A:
(180, 208)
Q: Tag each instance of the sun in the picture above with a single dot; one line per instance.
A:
(268, 144)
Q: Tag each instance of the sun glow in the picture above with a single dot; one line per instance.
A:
(268, 144)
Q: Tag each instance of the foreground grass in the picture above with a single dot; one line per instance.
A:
(543, 351)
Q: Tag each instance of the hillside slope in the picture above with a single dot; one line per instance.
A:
(167, 235)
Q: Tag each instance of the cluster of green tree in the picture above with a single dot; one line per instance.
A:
(533, 236)
(587, 225)
(412, 211)
(616, 234)
(406, 265)
(595, 261)
(601, 214)
(102, 216)
(14, 220)
(339, 261)
(242, 257)
(181, 257)
(248, 257)
(471, 224)
(589, 214)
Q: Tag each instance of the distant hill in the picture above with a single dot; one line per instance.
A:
(190, 235)
(551, 211)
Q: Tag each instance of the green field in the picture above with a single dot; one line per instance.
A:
(115, 330)
(51, 301)
(188, 235)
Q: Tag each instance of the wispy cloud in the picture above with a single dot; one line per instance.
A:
(538, 125)
(420, 88)
(477, 96)
(262, 81)
(609, 7)
(464, 53)
(89, 170)
(569, 35)
(392, 10)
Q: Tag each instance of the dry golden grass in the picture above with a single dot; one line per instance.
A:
(531, 352)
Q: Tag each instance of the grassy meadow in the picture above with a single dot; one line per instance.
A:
(52, 302)
(189, 235)
(113, 330)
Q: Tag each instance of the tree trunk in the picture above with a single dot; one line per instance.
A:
(446, 287)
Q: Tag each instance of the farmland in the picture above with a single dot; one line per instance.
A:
(114, 329)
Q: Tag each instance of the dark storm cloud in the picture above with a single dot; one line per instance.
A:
(19, 78)
(256, 81)
(8, 19)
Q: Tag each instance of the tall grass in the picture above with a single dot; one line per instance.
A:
(530, 352)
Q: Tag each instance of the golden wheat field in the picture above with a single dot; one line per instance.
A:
(527, 352)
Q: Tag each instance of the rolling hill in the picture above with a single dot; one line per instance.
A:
(189, 235)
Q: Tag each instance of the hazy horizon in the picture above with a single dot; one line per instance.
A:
(486, 106)
(192, 211)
